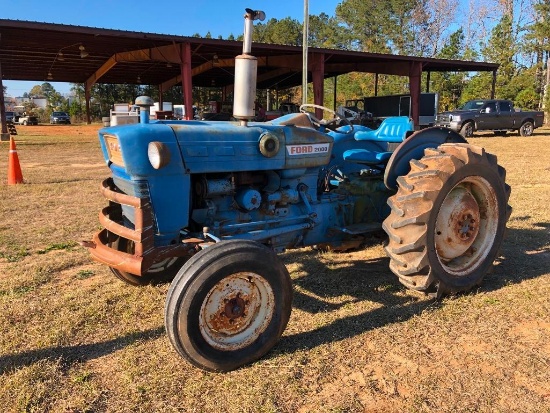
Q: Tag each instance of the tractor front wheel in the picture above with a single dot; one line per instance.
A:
(447, 219)
(228, 305)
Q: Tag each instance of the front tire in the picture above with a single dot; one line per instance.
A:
(526, 129)
(467, 130)
(228, 305)
(448, 219)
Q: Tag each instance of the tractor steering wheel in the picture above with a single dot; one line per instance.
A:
(332, 124)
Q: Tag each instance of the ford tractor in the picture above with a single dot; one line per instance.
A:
(208, 205)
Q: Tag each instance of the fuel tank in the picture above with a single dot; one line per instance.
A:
(211, 147)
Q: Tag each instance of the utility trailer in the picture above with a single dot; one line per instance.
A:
(382, 107)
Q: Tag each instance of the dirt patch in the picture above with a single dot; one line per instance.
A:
(59, 130)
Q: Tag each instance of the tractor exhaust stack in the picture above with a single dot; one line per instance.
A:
(246, 67)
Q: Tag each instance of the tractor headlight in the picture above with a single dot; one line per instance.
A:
(159, 154)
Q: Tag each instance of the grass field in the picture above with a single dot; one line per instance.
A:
(75, 339)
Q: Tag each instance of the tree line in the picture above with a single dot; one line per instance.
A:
(513, 33)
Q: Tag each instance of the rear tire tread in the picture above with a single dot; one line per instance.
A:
(411, 208)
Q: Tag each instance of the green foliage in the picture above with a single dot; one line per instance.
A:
(15, 255)
(84, 274)
(450, 85)
(537, 38)
(477, 87)
(326, 32)
(382, 26)
(57, 246)
(502, 49)
(285, 31)
(527, 98)
(105, 95)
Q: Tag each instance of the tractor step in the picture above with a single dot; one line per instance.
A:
(358, 229)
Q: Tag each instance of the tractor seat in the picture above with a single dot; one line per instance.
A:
(390, 130)
(389, 134)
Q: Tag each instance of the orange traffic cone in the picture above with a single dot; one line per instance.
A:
(15, 176)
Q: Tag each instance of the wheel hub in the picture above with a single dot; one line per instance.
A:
(236, 311)
(457, 224)
(234, 308)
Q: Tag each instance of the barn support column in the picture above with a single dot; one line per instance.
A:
(186, 80)
(161, 102)
(318, 70)
(376, 84)
(87, 99)
(334, 97)
(4, 136)
(493, 86)
(415, 78)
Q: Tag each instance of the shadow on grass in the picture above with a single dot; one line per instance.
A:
(77, 353)
(370, 280)
(524, 255)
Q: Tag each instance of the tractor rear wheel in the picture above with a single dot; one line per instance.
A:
(228, 305)
(447, 219)
(162, 271)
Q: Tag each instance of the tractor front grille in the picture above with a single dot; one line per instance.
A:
(137, 189)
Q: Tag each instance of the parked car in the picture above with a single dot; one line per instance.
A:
(499, 116)
(10, 116)
(60, 117)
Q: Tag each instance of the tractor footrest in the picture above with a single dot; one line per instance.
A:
(358, 229)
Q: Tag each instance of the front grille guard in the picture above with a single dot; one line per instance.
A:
(143, 235)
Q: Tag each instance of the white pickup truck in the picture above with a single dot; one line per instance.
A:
(25, 119)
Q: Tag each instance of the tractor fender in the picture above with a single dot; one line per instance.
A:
(413, 148)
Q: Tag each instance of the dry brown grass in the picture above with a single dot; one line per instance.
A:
(74, 339)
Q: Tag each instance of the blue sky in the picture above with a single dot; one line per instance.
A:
(182, 18)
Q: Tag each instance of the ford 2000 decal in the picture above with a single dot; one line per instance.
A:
(307, 149)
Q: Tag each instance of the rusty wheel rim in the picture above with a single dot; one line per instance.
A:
(466, 226)
(236, 311)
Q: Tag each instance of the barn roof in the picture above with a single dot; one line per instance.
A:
(52, 52)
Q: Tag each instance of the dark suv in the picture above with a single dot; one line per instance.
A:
(60, 117)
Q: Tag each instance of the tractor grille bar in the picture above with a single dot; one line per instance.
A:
(142, 235)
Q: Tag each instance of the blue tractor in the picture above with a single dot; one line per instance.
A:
(208, 205)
